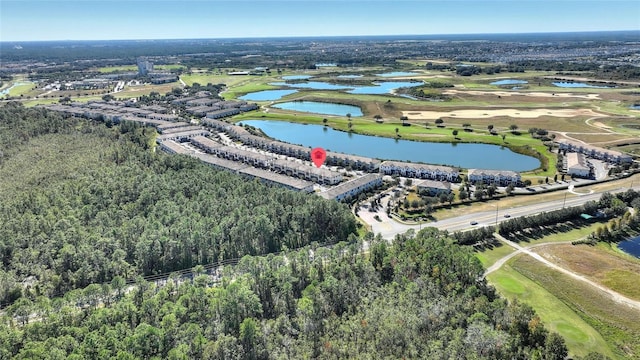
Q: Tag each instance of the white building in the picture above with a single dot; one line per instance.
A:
(420, 171)
(577, 166)
(498, 177)
(353, 187)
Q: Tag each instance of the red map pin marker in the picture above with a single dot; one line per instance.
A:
(318, 156)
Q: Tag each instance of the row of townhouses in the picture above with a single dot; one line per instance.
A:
(353, 187)
(239, 133)
(595, 152)
(497, 177)
(240, 168)
(420, 171)
(286, 167)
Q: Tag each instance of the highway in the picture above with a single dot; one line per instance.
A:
(389, 228)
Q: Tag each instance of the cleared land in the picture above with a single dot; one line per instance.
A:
(581, 338)
(607, 268)
(490, 113)
(618, 325)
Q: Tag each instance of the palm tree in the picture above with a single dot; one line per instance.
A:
(397, 131)
(455, 133)
(349, 116)
(324, 121)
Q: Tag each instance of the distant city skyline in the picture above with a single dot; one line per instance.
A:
(31, 20)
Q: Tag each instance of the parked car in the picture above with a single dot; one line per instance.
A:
(474, 222)
(507, 215)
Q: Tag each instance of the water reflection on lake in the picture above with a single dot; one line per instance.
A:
(565, 84)
(481, 156)
(509, 82)
(631, 246)
(267, 95)
(397, 73)
(320, 108)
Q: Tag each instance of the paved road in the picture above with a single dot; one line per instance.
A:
(389, 228)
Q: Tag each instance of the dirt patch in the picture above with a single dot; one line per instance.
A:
(600, 125)
(489, 113)
(518, 93)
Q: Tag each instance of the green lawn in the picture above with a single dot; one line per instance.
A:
(617, 325)
(580, 337)
(21, 88)
(489, 257)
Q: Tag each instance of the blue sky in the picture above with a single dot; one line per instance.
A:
(26, 20)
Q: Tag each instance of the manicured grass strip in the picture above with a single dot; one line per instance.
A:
(489, 257)
(580, 337)
(618, 324)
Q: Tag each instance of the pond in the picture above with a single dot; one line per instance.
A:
(631, 246)
(635, 107)
(397, 73)
(8, 90)
(267, 95)
(565, 84)
(384, 87)
(509, 82)
(320, 108)
(380, 87)
(296, 77)
(480, 156)
(315, 85)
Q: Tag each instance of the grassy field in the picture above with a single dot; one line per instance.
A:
(609, 268)
(581, 338)
(617, 324)
(22, 87)
(489, 257)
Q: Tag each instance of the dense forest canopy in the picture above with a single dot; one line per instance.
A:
(82, 203)
(423, 298)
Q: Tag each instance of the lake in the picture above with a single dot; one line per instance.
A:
(631, 247)
(564, 84)
(16, 84)
(509, 82)
(634, 107)
(267, 95)
(320, 108)
(296, 77)
(480, 156)
(380, 87)
(397, 73)
(315, 85)
(384, 87)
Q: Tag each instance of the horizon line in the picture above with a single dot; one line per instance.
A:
(332, 36)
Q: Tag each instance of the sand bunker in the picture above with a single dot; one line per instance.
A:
(489, 113)
(517, 93)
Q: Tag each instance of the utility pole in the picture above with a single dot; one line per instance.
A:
(565, 200)
(496, 214)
